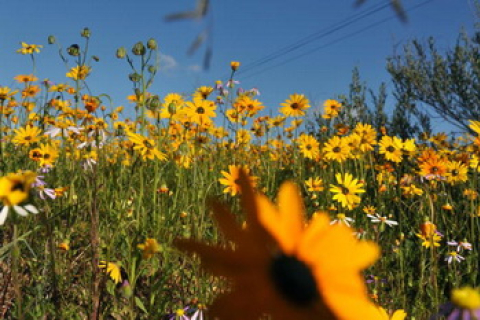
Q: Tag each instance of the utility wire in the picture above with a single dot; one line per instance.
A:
(370, 26)
(313, 37)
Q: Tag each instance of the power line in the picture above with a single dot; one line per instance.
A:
(370, 26)
(313, 37)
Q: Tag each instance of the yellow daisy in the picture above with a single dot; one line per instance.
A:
(231, 179)
(295, 106)
(346, 192)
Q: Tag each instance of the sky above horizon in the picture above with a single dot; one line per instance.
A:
(246, 31)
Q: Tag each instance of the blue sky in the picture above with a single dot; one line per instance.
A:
(245, 31)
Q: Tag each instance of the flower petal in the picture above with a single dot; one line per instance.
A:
(3, 215)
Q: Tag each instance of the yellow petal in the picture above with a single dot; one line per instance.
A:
(291, 216)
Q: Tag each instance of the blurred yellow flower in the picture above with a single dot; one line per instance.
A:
(29, 48)
(149, 248)
(293, 270)
(79, 72)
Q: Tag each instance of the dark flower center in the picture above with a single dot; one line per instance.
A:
(434, 169)
(295, 105)
(18, 186)
(147, 144)
(390, 149)
(455, 172)
(200, 110)
(345, 190)
(294, 280)
(337, 149)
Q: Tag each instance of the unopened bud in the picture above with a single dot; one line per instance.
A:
(152, 44)
(172, 108)
(73, 50)
(152, 69)
(138, 49)
(134, 77)
(154, 102)
(51, 39)
(121, 53)
(85, 33)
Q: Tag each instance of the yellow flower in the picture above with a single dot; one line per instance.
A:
(146, 147)
(475, 126)
(202, 93)
(331, 108)
(309, 146)
(466, 298)
(79, 72)
(314, 184)
(29, 48)
(430, 240)
(397, 315)
(5, 93)
(149, 248)
(14, 187)
(200, 111)
(337, 149)
(282, 268)
(26, 136)
(231, 179)
(112, 269)
(234, 65)
(295, 105)
(391, 147)
(346, 192)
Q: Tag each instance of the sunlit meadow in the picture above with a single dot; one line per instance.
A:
(101, 204)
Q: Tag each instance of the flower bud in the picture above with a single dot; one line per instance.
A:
(96, 58)
(172, 108)
(134, 77)
(121, 53)
(234, 65)
(152, 69)
(138, 49)
(152, 44)
(85, 33)
(51, 39)
(73, 50)
(154, 102)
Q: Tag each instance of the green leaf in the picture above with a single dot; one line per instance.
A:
(140, 304)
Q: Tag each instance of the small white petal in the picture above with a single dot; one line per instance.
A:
(31, 208)
(20, 211)
(3, 215)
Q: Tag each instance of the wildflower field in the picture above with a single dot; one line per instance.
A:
(200, 205)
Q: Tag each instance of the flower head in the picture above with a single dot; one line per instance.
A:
(113, 269)
(149, 248)
(347, 190)
(295, 106)
(29, 48)
(14, 189)
(293, 271)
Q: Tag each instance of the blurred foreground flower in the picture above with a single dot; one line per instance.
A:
(14, 189)
(464, 305)
(280, 267)
(397, 315)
